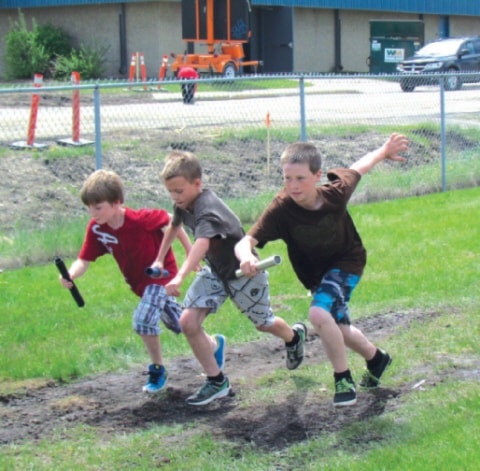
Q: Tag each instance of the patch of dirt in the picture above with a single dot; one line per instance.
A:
(114, 403)
(37, 189)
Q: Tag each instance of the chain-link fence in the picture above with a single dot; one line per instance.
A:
(239, 127)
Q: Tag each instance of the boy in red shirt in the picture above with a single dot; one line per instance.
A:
(133, 237)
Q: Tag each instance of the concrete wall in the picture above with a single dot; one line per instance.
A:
(314, 37)
(313, 47)
(464, 25)
(152, 28)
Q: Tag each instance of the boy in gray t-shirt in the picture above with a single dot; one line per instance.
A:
(216, 230)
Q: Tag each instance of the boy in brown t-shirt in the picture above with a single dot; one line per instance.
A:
(325, 251)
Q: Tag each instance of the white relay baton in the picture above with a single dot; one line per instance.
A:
(267, 263)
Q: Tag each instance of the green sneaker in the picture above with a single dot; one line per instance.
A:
(296, 353)
(345, 393)
(371, 377)
(209, 391)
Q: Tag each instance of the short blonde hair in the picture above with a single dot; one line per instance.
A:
(101, 186)
(181, 163)
(302, 153)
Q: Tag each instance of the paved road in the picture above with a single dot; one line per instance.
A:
(327, 101)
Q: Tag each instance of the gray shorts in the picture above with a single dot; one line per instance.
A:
(250, 295)
(156, 306)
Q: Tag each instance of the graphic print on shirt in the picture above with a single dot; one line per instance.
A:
(104, 237)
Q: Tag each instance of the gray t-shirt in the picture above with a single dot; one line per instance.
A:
(211, 218)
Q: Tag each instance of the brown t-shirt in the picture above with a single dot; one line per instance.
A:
(317, 240)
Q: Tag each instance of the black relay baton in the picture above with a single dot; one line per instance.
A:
(156, 272)
(66, 276)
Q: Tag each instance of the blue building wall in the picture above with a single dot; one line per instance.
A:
(433, 7)
(62, 3)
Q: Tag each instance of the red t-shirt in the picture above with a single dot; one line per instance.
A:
(134, 246)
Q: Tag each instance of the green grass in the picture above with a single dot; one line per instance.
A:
(423, 257)
(427, 252)
(215, 85)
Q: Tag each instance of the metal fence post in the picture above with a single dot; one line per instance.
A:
(303, 125)
(98, 128)
(443, 136)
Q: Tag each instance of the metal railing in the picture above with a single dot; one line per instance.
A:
(345, 116)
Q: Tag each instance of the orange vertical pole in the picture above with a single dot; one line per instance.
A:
(132, 68)
(267, 124)
(75, 78)
(210, 30)
(37, 83)
(229, 32)
(137, 66)
(143, 69)
(197, 20)
(163, 69)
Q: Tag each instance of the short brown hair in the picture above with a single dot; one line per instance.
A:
(181, 163)
(100, 186)
(302, 153)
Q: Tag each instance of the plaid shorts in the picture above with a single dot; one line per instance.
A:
(250, 295)
(156, 306)
(334, 293)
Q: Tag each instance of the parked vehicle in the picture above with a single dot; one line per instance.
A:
(452, 56)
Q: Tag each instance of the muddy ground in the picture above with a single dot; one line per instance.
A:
(114, 404)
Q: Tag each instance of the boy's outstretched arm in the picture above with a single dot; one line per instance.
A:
(391, 149)
(244, 252)
(196, 255)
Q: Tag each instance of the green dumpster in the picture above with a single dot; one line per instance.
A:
(391, 41)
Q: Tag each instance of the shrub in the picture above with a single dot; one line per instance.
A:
(54, 39)
(88, 61)
(24, 56)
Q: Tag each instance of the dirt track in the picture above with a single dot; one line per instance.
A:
(114, 403)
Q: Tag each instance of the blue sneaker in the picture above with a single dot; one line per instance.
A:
(220, 350)
(157, 379)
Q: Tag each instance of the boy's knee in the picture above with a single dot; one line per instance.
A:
(188, 324)
(319, 316)
(263, 328)
(191, 321)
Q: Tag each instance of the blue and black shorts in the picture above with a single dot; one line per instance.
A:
(334, 292)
